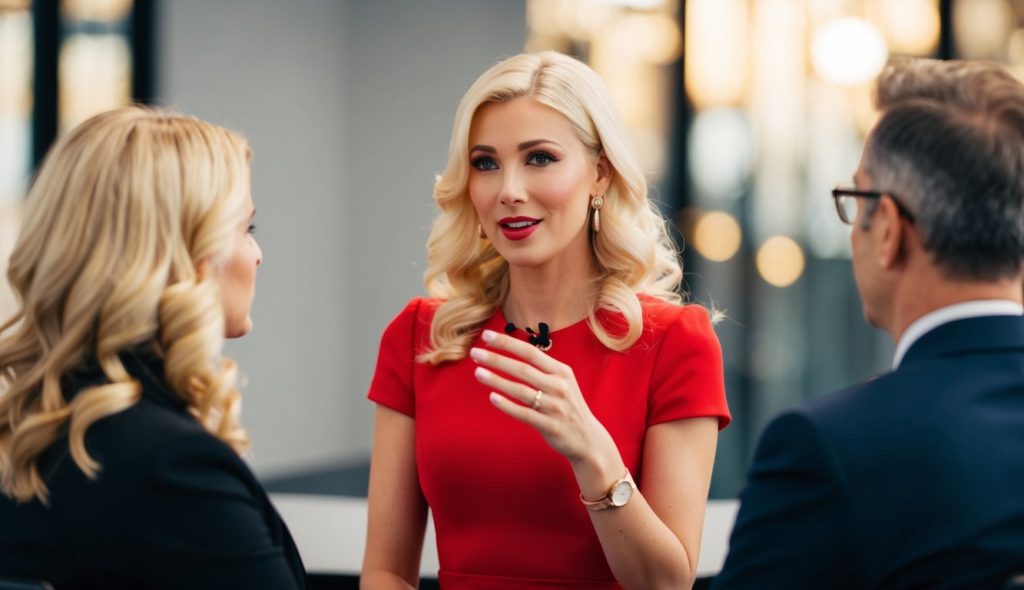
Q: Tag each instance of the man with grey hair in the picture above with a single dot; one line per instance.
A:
(913, 479)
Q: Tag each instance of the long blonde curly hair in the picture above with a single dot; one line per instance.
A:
(633, 252)
(124, 219)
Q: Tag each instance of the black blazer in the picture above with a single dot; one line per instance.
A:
(172, 507)
(914, 479)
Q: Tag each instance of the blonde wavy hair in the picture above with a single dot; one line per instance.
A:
(633, 252)
(127, 215)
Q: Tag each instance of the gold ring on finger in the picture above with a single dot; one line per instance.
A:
(536, 400)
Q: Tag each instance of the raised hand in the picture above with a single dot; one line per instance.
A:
(549, 398)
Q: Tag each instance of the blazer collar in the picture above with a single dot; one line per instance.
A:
(987, 333)
(145, 366)
(148, 368)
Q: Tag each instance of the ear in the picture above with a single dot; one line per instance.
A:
(888, 223)
(604, 175)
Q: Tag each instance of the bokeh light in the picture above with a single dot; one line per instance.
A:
(780, 261)
(983, 28)
(910, 26)
(720, 154)
(849, 51)
(717, 236)
(716, 77)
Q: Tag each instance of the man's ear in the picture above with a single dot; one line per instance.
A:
(604, 175)
(888, 223)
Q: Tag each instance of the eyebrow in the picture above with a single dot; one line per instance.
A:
(523, 146)
(529, 144)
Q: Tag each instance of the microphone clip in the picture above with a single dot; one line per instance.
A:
(541, 339)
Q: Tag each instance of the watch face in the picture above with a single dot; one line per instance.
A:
(622, 493)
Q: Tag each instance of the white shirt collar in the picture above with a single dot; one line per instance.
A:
(944, 315)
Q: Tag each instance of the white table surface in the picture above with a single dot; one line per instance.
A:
(330, 532)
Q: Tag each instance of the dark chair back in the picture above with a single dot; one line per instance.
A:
(22, 584)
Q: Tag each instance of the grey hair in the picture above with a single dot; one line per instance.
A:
(950, 146)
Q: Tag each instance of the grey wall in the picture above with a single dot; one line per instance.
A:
(410, 62)
(348, 106)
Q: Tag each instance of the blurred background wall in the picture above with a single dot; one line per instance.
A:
(348, 106)
(745, 113)
(234, 62)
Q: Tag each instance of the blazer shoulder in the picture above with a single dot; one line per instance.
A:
(149, 425)
(835, 405)
(131, 447)
(128, 446)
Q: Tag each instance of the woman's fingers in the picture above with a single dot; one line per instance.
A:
(524, 394)
(524, 414)
(535, 389)
(513, 368)
(524, 350)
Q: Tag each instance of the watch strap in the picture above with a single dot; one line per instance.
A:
(606, 501)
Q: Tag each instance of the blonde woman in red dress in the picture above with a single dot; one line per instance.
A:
(554, 404)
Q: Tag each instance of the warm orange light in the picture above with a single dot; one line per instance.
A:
(716, 51)
(653, 37)
(95, 75)
(780, 261)
(982, 28)
(717, 236)
(910, 26)
(96, 10)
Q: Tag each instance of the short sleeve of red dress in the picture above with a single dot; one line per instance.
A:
(688, 379)
(392, 384)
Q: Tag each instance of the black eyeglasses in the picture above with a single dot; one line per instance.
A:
(846, 203)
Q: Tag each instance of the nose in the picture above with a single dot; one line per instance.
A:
(513, 191)
(259, 253)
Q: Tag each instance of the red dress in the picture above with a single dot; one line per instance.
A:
(505, 505)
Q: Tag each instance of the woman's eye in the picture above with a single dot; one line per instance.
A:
(484, 163)
(540, 159)
(251, 229)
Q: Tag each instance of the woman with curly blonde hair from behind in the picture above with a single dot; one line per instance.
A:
(119, 432)
(554, 404)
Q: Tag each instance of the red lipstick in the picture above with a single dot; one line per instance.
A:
(518, 228)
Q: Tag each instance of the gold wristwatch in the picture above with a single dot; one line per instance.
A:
(617, 497)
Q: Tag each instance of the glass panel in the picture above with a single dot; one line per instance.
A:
(15, 100)
(111, 11)
(16, 61)
(95, 75)
(779, 117)
(15, 5)
(992, 30)
(95, 59)
(633, 45)
(983, 28)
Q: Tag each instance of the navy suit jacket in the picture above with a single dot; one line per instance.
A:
(172, 506)
(914, 479)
